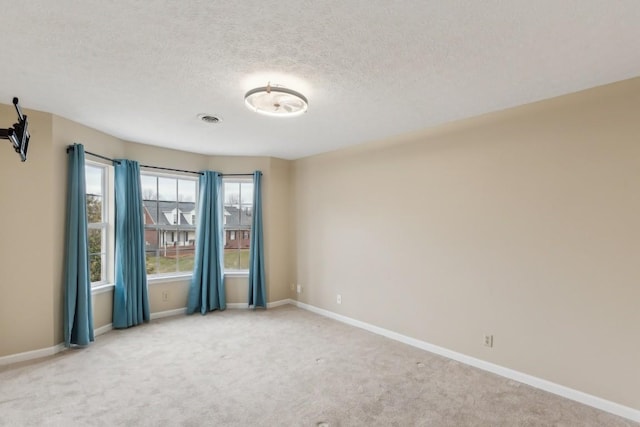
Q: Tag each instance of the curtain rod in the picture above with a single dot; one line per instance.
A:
(159, 167)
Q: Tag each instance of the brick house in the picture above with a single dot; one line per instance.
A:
(175, 226)
(237, 227)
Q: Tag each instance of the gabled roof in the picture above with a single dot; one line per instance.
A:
(157, 209)
(236, 218)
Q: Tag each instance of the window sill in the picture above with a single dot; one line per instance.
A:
(101, 289)
(237, 273)
(169, 278)
(108, 287)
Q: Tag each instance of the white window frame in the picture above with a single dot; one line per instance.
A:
(239, 232)
(107, 227)
(175, 227)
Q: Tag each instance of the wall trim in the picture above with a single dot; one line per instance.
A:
(230, 306)
(30, 355)
(44, 352)
(168, 313)
(102, 330)
(560, 390)
(279, 303)
(237, 305)
(101, 289)
(243, 305)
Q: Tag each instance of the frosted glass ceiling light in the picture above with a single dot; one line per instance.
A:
(276, 101)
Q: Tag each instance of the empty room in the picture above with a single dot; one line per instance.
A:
(352, 213)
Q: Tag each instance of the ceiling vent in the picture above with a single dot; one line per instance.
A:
(209, 118)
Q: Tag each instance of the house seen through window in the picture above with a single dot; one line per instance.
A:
(170, 204)
(237, 219)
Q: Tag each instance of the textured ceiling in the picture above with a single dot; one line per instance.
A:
(142, 70)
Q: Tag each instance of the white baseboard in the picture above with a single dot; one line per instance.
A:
(102, 330)
(560, 390)
(237, 305)
(243, 305)
(230, 306)
(44, 352)
(168, 313)
(158, 315)
(279, 303)
(30, 355)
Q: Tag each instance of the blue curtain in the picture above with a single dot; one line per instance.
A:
(78, 315)
(257, 278)
(130, 299)
(207, 292)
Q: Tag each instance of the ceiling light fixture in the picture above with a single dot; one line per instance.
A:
(276, 101)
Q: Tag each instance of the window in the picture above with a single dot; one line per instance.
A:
(169, 202)
(237, 219)
(100, 233)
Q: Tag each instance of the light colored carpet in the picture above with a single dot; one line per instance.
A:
(281, 367)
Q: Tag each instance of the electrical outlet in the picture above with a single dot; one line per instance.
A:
(165, 296)
(339, 299)
(292, 287)
(488, 340)
(299, 288)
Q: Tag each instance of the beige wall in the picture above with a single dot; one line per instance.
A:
(524, 224)
(27, 269)
(278, 229)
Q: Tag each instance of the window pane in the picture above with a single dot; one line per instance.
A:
(149, 187)
(95, 241)
(231, 239)
(96, 196)
(93, 178)
(150, 239)
(244, 259)
(94, 208)
(185, 261)
(95, 267)
(238, 219)
(246, 215)
(187, 212)
(165, 257)
(231, 193)
(231, 259)
(246, 191)
(231, 215)
(166, 262)
(152, 261)
(167, 189)
(191, 237)
(150, 212)
(186, 190)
